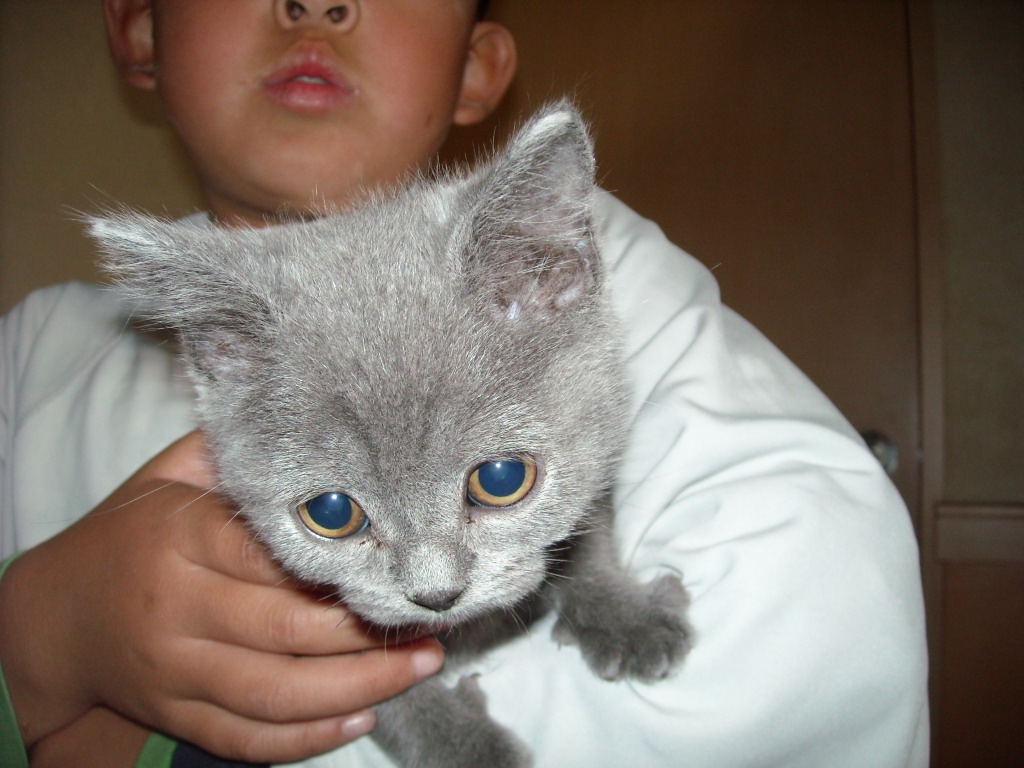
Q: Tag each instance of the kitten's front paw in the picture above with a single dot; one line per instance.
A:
(432, 726)
(639, 631)
(486, 743)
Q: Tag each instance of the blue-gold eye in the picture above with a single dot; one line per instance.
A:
(333, 515)
(501, 483)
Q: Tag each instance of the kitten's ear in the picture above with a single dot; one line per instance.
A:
(188, 278)
(532, 245)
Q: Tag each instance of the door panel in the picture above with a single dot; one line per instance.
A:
(981, 685)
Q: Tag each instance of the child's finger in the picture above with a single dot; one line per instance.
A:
(185, 460)
(99, 739)
(199, 524)
(282, 689)
(239, 738)
(216, 538)
(278, 620)
(238, 595)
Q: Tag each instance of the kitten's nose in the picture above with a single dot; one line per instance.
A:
(437, 600)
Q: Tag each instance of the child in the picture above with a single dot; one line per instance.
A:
(155, 606)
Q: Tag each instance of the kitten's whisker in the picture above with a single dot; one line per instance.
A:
(135, 499)
(150, 492)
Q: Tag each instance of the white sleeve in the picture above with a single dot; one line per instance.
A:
(796, 549)
(84, 401)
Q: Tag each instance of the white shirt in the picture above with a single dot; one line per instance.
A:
(796, 549)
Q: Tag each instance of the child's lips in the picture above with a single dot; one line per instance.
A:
(308, 85)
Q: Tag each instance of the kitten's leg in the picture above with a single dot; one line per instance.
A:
(624, 628)
(433, 726)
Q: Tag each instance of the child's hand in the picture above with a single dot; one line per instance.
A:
(159, 605)
(98, 739)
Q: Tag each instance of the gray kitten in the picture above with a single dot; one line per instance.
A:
(420, 404)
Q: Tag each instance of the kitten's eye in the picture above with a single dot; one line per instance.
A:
(501, 483)
(333, 515)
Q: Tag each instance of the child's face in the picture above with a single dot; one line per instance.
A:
(282, 105)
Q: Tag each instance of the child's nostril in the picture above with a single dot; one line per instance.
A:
(337, 14)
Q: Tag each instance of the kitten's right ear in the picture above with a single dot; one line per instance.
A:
(181, 276)
(532, 242)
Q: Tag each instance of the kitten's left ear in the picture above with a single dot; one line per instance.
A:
(532, 245)
(201, 282)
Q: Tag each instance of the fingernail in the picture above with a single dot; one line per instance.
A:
(359, 724)
(427, 661)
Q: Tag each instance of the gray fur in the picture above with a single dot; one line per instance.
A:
(385, 352)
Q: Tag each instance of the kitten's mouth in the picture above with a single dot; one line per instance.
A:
(407, 633)
(410, 624)
(411, 627)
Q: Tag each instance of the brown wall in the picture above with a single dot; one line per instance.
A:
(70, 139)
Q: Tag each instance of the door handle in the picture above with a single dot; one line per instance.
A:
(883, 448)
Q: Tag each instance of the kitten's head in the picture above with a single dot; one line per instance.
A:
(411, 402)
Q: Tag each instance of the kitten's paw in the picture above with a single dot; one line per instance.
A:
(639, 632)
(486, 743)
(433, 726)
